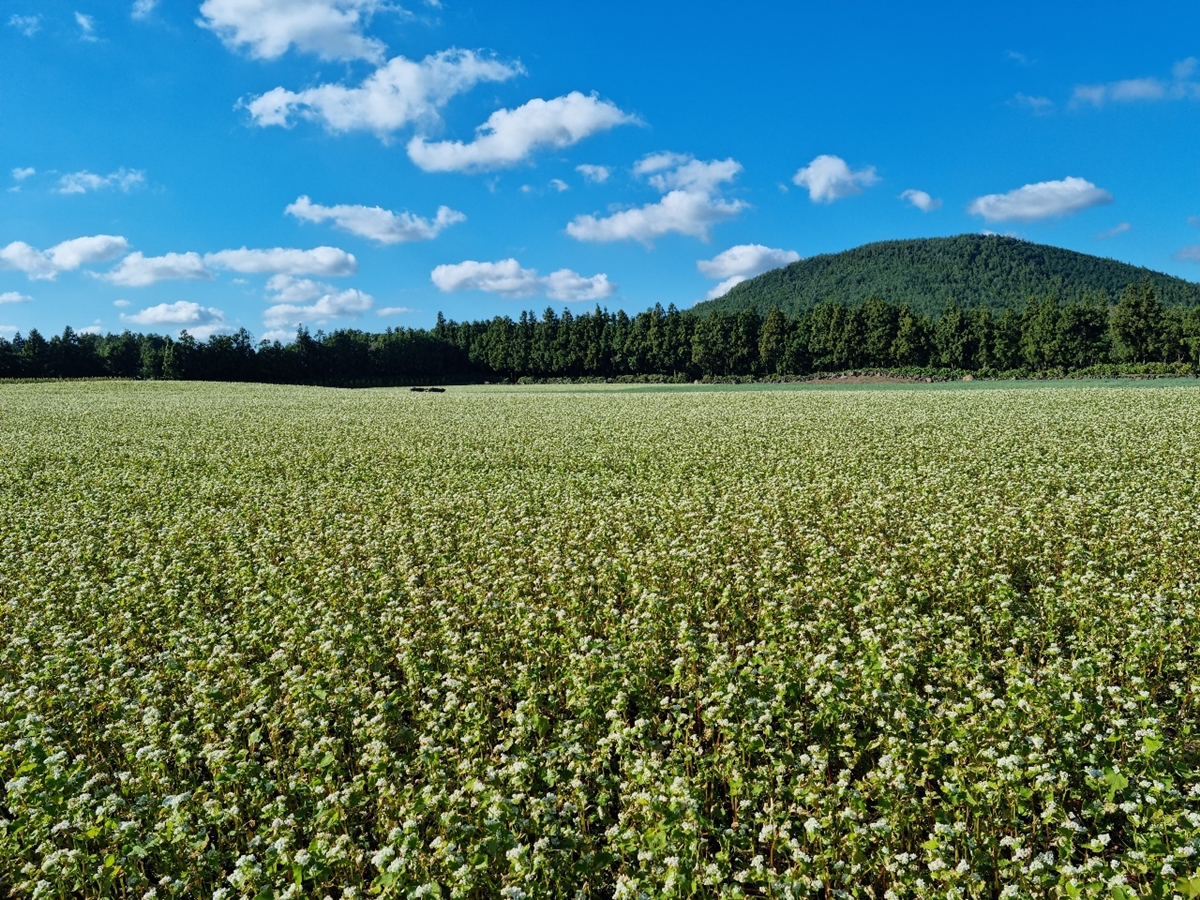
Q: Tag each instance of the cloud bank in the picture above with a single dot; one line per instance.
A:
(508, 279)
(739, 263)
(45, 265)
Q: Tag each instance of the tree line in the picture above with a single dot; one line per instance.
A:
(1046, 336)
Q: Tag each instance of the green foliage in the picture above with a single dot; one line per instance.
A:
(999, 273)
(289, 642)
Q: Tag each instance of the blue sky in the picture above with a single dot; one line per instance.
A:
(358, 163)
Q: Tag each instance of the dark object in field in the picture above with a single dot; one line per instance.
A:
(431, 390)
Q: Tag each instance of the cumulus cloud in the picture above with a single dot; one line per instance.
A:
(22, 174)
(137, 270)
(376, 223)
(267, 29)
(296, 301)
(394, 311)
(143, 8)
(398, 94)
(690, 205)
(82, 182)
(920, 200)
(14, 297)
(1044, 200)
(744, 261)
(828, 178)
(45, 265)
(1182, 85)
(509, 279)
(594, 174)
(27, 25)
(510, 136)
(318, 261)
(199, 321)
(1115, 230)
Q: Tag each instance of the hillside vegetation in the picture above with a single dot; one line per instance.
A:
(972, 269)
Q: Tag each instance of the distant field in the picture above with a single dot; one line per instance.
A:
(625, 642)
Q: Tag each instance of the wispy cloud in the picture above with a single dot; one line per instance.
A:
(14, 297)
(1182, 85)
(376, 223)
(1115, 230)
(83, 182)
(142, 9)
(27, 25)
(1039, 106)
(87, 27)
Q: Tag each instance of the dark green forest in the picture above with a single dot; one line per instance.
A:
(1047, 335)
(999, 273)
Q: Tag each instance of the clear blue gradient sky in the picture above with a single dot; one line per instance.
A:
(357, 163)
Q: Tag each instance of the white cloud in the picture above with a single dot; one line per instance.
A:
(143, 8)
(67, 256)
(394, 311)
(1189, 254)
(559, 185)
(510, 136)
(398, 94)
(22, 174)
(318, 261)
(199, 321)
(377, 223)
(921, 200)
(828, 178)
(82, 182)
(90, 329)
(137, 270)
(267, 29)
(508, 279)
(121, 304)
(690, 204)
(1180, 86)
(8, 329)
(744, 261)
(594, 174)
(1115, 230)
(27, 25)
(1043, 200)
(1037, 105)
(300, 300)
(87, 27)
(14, 297)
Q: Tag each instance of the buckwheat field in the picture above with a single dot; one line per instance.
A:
(276, 642)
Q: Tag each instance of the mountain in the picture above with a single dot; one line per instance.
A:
(973, 269)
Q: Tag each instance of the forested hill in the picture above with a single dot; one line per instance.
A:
(974, 269)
